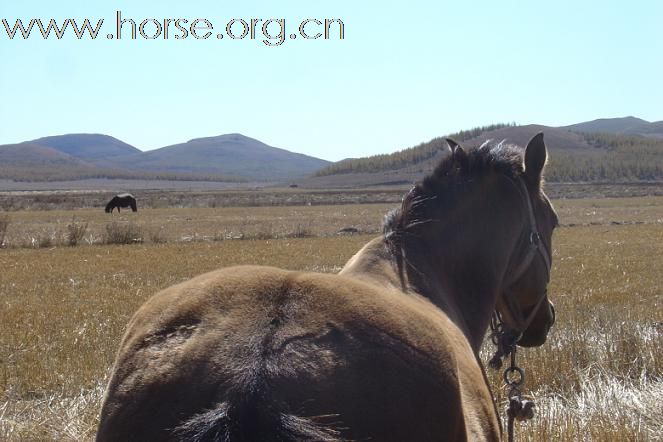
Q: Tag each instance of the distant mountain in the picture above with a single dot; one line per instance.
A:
(616, 149)
(27, 155)
(620, 126)
(230, 157)
(33, 162)
(607, 125)
(94, 147)
(232, 154)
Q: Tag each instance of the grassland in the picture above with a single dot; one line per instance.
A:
(63, 309)
(48, 228)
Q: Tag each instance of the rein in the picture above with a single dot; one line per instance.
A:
(506, 339)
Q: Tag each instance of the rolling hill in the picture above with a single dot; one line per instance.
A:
(620, 126)
(27, 161)
(231, 154)
(232, 158)
(607, 150)
(91, 147)
(31, 162)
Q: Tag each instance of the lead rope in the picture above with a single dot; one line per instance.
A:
(514, 377)
(518, 409)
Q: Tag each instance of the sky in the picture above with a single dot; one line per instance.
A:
(404, 73)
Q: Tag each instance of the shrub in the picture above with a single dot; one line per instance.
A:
(118, 233)
(75, 232)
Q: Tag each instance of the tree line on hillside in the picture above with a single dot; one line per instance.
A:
(611, 158)
(406, 157)
(614, 158)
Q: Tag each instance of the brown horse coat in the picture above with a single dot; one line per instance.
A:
(259, 353)
(339, 351)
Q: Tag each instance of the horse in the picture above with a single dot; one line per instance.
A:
(122, 200)
(385, 350)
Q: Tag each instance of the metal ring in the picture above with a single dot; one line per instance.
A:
(534, 239)
(514, 380)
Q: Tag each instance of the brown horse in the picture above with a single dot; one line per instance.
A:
(387, 350)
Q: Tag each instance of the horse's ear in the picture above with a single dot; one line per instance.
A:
(536, 156)
(452, 144)
(457, 151)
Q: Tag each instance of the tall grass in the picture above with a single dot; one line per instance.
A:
(123, 233)
(4, 223)
(600, 375)
(75, 232)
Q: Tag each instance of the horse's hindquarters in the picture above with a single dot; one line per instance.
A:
(252, 353)
(368, 385)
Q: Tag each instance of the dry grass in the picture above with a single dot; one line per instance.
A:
(577, 212)
(43, 229)
(123, 233)
(4, 224)
(184, 194)
(600, 375)
(64, 309)
(75, 232)
(28, 228)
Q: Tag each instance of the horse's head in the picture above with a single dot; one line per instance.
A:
(480, 226)
(523, 305)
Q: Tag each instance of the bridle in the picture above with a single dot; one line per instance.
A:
(506, 339)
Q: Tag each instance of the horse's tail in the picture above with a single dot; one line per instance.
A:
(134, 207)
(255, 417)
(219, 425)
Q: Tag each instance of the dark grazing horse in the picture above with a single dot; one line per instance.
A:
(386, 350)
(123, 200)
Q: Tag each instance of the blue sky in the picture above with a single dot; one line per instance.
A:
(404, 73)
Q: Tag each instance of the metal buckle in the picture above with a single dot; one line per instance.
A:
(534, 239)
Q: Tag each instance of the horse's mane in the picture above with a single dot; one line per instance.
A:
(445, 185)
(451, 176)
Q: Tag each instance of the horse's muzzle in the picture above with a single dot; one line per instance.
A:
(537, 332)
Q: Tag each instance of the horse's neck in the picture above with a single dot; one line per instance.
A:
(463, 302)
(462, 273)
(373, 263)
(468, 299)
(467, 293)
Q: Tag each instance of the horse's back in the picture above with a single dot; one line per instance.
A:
(257, 353)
